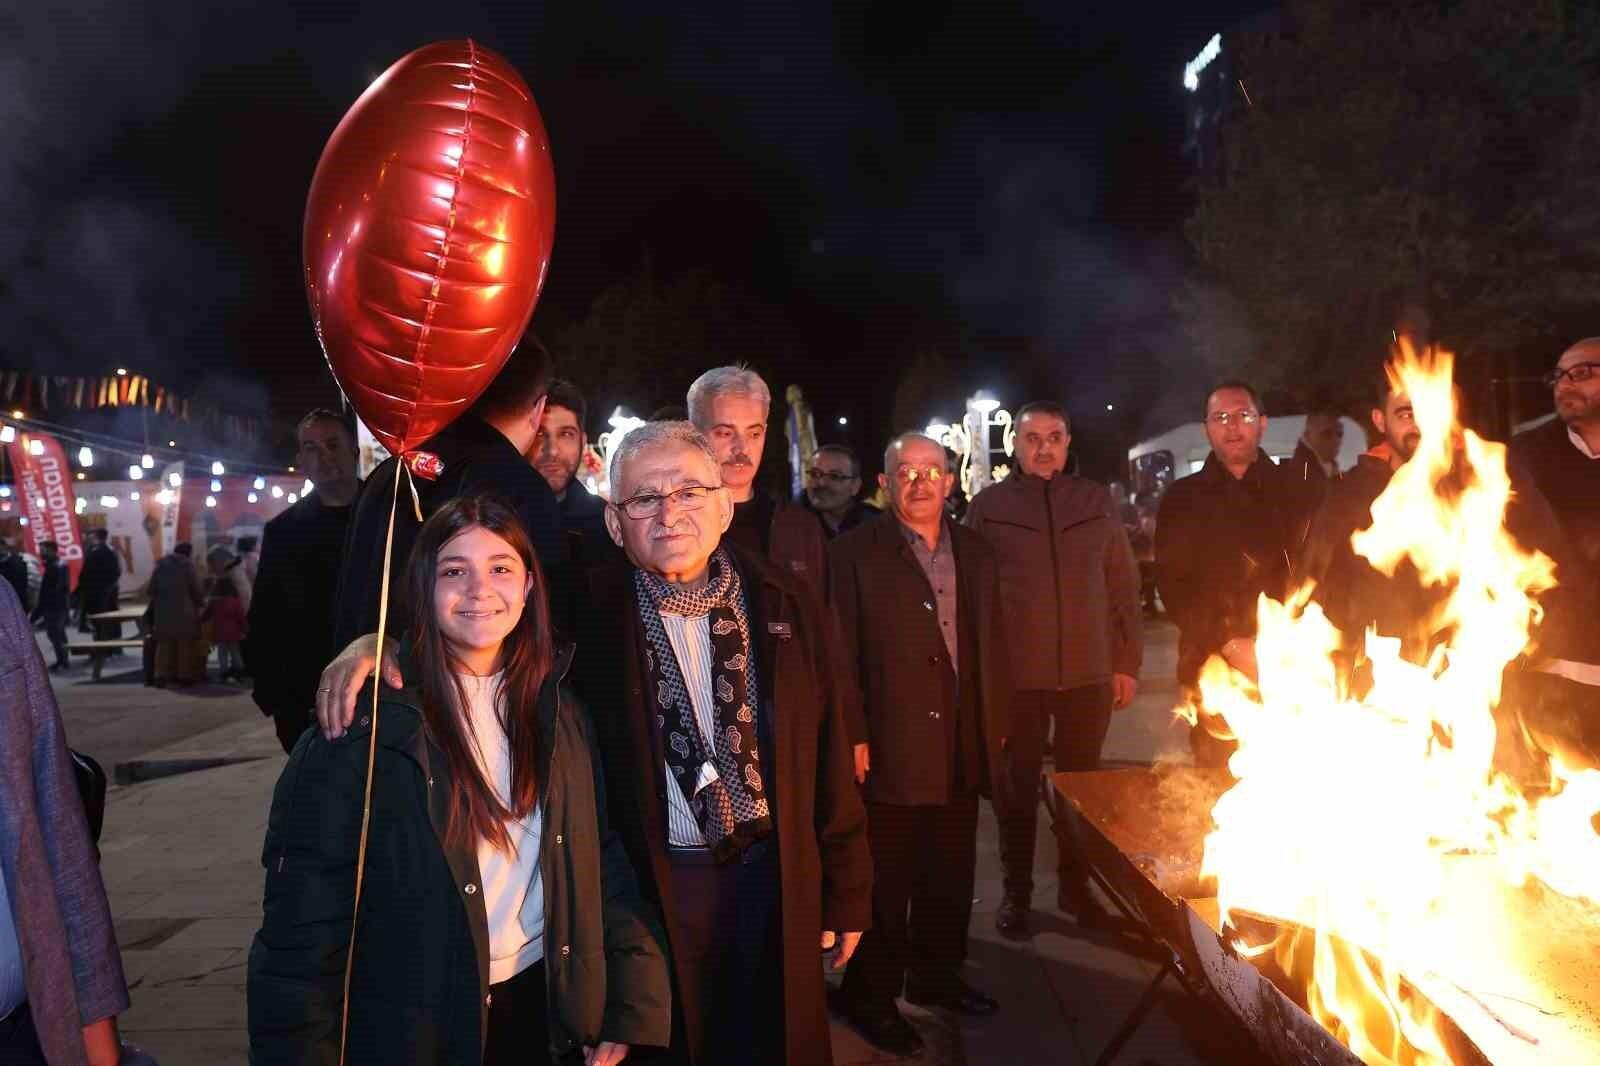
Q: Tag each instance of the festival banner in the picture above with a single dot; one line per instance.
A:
(44, 483)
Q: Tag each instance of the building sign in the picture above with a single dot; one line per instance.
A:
(1192, 69)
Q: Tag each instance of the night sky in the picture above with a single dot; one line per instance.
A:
(999, 176)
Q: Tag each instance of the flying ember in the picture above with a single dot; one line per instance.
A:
(1402, 870)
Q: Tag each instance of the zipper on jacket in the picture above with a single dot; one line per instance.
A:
(1055, 577)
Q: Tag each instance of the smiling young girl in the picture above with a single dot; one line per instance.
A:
(499, 918)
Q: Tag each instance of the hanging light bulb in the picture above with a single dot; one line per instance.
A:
(252, 498)
(105, 501)
(8, 434)
(135, 472)
(175, 479)
(277, 492)
(211, 501)
(216, 486)
(80, 475)
(306, 486)
(85, 456)
(35, 446)
(259, 483)
(293, 498)
(134, 495)
(147, 460)
(5, 492)
(23, 520)
(80, 505)
(216, 469)
(164, 497)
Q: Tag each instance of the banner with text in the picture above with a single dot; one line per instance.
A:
(44, 482)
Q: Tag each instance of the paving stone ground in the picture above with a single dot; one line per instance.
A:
(181, 859)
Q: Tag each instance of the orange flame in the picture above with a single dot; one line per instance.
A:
(1357, 821)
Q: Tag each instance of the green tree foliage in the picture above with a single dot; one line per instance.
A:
(1438, 158)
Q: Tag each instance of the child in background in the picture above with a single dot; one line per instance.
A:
(224, 615)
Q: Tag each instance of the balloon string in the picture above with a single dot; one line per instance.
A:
(372, 754)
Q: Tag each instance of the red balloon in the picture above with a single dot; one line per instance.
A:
(427, 237)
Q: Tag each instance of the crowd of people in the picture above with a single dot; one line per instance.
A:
(621, 770)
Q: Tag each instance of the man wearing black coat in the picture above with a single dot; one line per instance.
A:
(14, 569)
(291, 607)
(917, 599)
(97, 585)
(1223, 537)
(557, 454)
(52, 608)
(481, 452)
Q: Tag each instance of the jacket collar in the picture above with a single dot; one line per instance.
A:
(1258, 469)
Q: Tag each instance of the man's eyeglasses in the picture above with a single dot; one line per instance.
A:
(911, 474)
(829, 476)
(649, 504)
(1577, 372)
(1246, 417)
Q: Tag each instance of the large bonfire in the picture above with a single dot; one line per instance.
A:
(1374, 833)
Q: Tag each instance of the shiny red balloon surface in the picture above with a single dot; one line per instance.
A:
(427, 236)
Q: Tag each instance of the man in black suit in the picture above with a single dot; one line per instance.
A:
(917, 597)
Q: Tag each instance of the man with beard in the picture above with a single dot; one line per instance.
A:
(833, 490)
(917, 597)
(708, 674)
(290, 632)
(730, 405)
(1223, 538)
(557, 454)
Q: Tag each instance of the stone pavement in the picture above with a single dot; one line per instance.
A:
(181, 858)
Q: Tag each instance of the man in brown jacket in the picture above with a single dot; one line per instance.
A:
(917, 602)
(1071, 602)
(730, 405)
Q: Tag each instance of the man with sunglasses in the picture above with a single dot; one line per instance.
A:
(302, 549)
(833, 490)
(917, 600)
(1223, 537)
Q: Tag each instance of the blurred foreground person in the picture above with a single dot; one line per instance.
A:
(500, 919)
(290, 628)
(1071, 605)
(1223, 537)
(917, 598)
(721, 727)
(60, 1008)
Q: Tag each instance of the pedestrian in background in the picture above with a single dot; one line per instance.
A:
(224, 613)
(917, 600)
(60, 1009)
(14, 569)
(176, 598)
(833, 490)
(53, 608)
(97, 586)
(1071, 604)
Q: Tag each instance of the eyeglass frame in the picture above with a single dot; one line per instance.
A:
(1248, 416)
(910, 475)
(1553, 378)
(830, 476)
(675, 494)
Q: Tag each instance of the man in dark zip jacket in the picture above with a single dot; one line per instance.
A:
(1070, 597)
(1223, 538)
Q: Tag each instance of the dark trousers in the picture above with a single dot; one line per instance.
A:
(519, 1021)
(1081, 716)
(923, 861)
(727, 958)
(55, 627)
(19, 1041)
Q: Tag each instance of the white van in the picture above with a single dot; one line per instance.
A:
(1156, 463)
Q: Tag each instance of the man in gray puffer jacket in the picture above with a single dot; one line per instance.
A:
(1070, 597)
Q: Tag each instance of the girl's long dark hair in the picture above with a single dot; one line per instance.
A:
(475, 812)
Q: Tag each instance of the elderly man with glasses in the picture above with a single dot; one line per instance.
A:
(917, 598)
(833, 490)
(1223, 537)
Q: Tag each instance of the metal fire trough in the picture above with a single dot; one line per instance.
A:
(1142, 833)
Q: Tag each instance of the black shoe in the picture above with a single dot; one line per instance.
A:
(1012, 919)
(952, 994)
(885, 1030)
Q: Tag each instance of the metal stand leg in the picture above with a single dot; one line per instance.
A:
(1136, 1016)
